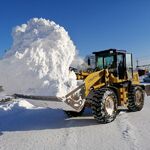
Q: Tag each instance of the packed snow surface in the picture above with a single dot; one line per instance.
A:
(24, 126)
(39, 60)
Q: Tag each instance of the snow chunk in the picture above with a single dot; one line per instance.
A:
(16, 104)
(25, 104)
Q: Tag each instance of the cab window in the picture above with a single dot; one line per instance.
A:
(108, 62)
(120, 60)
(100, 62)
(128, 60)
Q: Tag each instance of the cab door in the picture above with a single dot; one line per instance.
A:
(121, 66)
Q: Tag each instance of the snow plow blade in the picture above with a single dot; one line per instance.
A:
(70, 99)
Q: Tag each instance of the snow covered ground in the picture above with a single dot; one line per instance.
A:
(24, 126)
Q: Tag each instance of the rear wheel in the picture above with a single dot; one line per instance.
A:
(135, 98)
(104, 105)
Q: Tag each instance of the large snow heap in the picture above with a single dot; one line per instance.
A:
(39, 60)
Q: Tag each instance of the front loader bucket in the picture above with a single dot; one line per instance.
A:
(75, 100)
(72, 99)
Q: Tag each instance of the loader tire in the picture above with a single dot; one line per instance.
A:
(104, 105)
(135, 98)
(74, 113)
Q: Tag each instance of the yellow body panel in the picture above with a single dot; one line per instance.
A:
(99, 79)
(123, 94)
(91, 81)
(135, 80)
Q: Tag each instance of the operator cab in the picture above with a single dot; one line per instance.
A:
(119, 62)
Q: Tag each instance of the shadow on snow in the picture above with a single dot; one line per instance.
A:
(23, 119)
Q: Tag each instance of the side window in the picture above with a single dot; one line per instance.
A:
(129, 66)
(100, 62)
(128, 61)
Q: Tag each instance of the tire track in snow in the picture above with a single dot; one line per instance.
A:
(129, 132)
(70, 139)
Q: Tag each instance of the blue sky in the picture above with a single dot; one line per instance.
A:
(92, 24)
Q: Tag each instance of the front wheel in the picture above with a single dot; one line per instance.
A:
(104, 105)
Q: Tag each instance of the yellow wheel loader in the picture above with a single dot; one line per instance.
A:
(112, 83)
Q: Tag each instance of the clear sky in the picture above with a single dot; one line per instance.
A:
(92, 24)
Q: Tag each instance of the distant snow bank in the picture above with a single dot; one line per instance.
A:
(39, 60)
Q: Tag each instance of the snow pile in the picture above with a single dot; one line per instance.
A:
(39, 60)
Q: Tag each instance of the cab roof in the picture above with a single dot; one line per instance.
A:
(110, 51)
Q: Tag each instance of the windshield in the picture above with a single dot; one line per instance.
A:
(100, 62)
(108, 62)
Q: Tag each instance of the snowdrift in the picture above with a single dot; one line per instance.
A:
(39, 60)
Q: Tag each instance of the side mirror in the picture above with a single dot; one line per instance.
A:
(89, 61)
